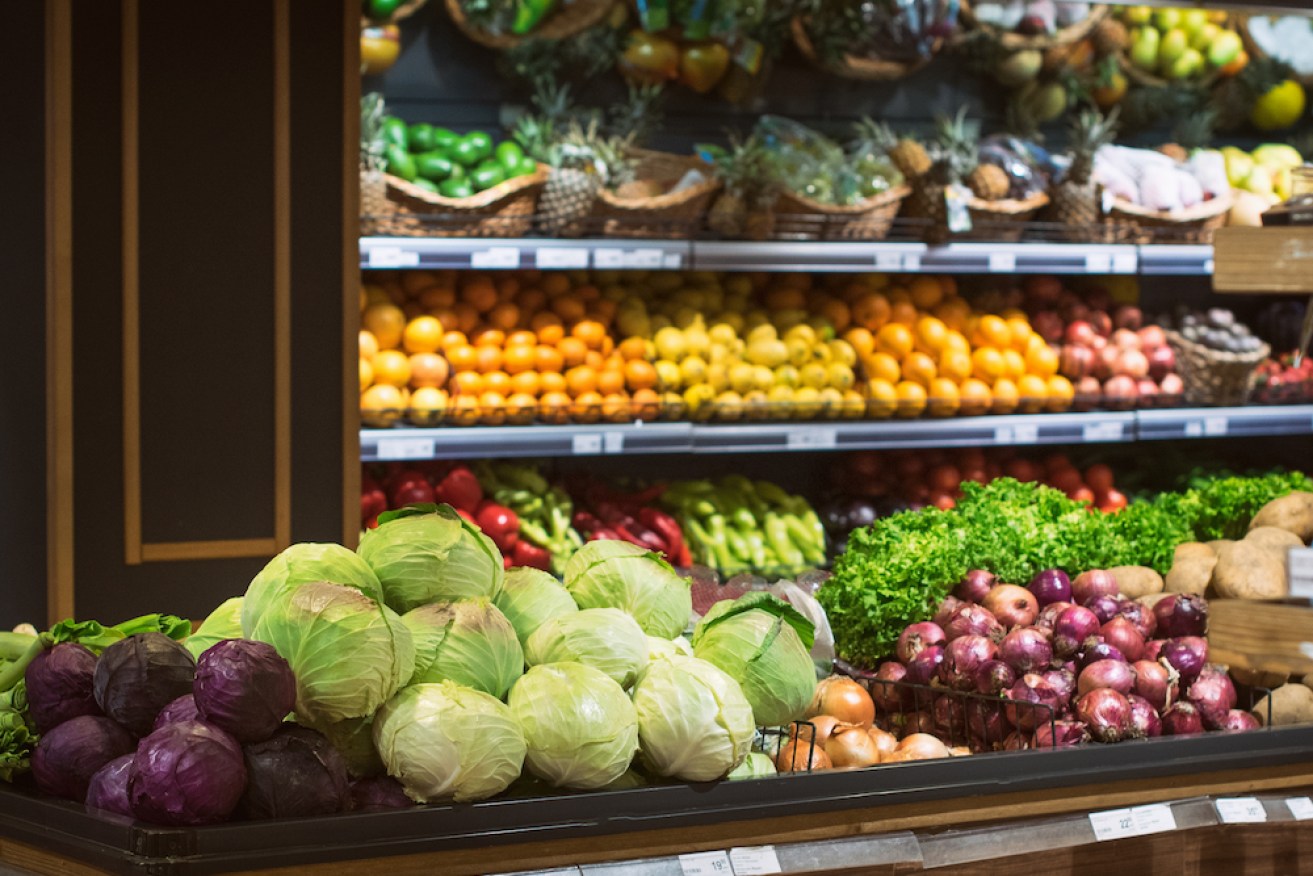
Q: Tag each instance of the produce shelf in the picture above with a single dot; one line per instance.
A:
(511, 254)
(1243, 422)
(1170, 260)
(484, 442)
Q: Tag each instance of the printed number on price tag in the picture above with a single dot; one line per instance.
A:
(706, 864)
(1113, 824)
(755, 861)
(1240, 810)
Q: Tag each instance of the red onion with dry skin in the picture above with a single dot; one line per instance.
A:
(1145, 722)
(1182, 719)
(1237, 721)
(994, 677)
(925, 665)
(1122, 635)
(974, 620)
(946, 610)
(1060, 734)
(918, 722)
(987, 724)
(1141, 617)
(1072, 628)
(1063, 681)
(1181, 614)
(888, 697)
(1187, 655)
(1114, 674)
(975, 585)
(1106, 714)
(1026, 650)
(1096, 650)
(1011, 605)
(962, 660)
(1093, 583)
(1048, 615)
(1050, 586)
(1104, 606)
(1018, 741)
(1153, 649)
(916, 638)
(1155, 683)
(1033, 701)
(1213, 694)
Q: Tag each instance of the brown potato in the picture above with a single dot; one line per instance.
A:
(1292, 512)
(1191, 575)
(1137, 581)
(1291, 704)
(1217, 544)
(1152, 599)
(1193, 550)
(1247, 571)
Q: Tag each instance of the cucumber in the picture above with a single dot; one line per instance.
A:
(400, 162)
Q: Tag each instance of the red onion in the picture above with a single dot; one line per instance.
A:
(1153, 649)
(916, 638)
(1145, 722)
(840, 697)
(1213, 694)
(1187, 655)
(1181, 614)
(1072, 628)
(1013, 606)
(986, 723)
(950, 715)
(1048, 615)
(1018, 741)
(1122, 635)
(974, 620)
(1050, 586)
(1060, 734)
(975, 585)
(1115, 674)
(1106, 714)
(1097, 649)
(1092, 583)
(946, 610)
(1063, 681)
(1154, 682)
(1104, 606)
(888, 697)
(1033, 702)
(1026, 650)
(963, 657)
(1141, 617)
(994, 677)
(1182, 719)
(918, 722)
(1237, 721)
(925, 665)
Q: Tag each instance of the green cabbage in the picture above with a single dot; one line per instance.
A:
(755, 766)
(349, 654)
(603, 638)
(763, 643)
(529, 597)
(302, 564)
(617, 574)
(694, 723)
(225, 622)
(431, 556)
(658, 648)
(580, 728)
(469, 642)
(449, 742)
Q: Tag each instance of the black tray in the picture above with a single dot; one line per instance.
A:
(123, 846)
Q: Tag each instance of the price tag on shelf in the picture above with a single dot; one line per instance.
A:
(1098, 263)
(1113, 824)
(911, 262)
(888, 261)
(1194, 428)
(672, 261)
(497, 257)
(608, 258)
(1240, 810)
(1002, 262)
(613, 442)
(586, 444)
(811, 439)
(395, 449)
(1021, 433)
(1301, 808)
(642, 258)
(706, 864)
(1153, 818)
(1300, 565)
(1125, 263)
(754, 861)
(1107, 430)
(1215, 426)
(392, 257)
(561, 258)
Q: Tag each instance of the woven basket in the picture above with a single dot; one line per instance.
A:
(1212, 377)
(1145, 78)
(1194, 225)
(670, 215)
(800, 218)
(1241, 22)
(375, 208)
(505, 210)
(570, 19)
(1015, 42)
(1002, 220)
(404, 11)
(857, 66)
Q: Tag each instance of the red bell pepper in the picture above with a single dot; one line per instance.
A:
(500, 523)
(460, 489)
(526, 553)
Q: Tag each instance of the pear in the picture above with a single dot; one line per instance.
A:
(1277, 155)
(1167, 18)
(1259, 181)
(1204, 37)
(1144, 48)
(1224, 49)
(1187, 65)
(1238, 165)
(1173, 45)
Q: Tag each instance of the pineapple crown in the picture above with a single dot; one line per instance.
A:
(871, 135)
(747, 167)
(956, 148)
(584, 147)
(1090, 130)
(372, 144)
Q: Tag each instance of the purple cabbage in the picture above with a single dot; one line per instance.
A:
(245, 688)
(60, 685)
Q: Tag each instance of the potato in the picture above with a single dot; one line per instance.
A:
(1137, 581)
(1152, 599)
(1292, 512)
(1193, 550)
(1259, 677)
(1192, 574)
(1246, 571)
(1216, 545)
(1291, 704)
(1272, 537)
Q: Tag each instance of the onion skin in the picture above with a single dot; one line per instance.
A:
(1145, 722)
(1048, 615)
(820, 726)
(986, 724)
(889, 697)
(1153, 649)
(1213, 694)
(994, 677)
(851, 746)
(1034, 701)
(925, 665)
(885, 742)
(1018, 741)
(1106, 714)
(1113, 674)
(916, 638)
(921, 746)
(918, 722)
(974, 620)
(1141, 617)
(1187, 655)
(1050, 586)
(1104, 606)
(1011, 605)
(1182, 719)
(1072, 628)
(1063, 681)
(1099, 650)
(844, 699)
(975, 585)
(1237, 721)
(1026, 650)
(793, 758)
(1122, 635)
(1181, 614)
(1092, 583)
(947, 609)
(962, 660)
(1155, 683)
(1061, 734)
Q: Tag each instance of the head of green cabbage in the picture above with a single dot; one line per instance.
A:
(302, 564)
(694, 723)
(658, 648)
(757, 765)
(580, 728)
(763, 643)
(426, 554)
(468, 642)
(531, 597)
(449, 742)
(603, 638)
(225, 622)
(617, 574)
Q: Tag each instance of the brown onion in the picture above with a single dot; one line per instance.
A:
(793, 757)
(851, 746)
(842, 698)
(921, 746)
(820, 726)
(885, 742)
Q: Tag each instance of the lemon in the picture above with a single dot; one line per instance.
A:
(668, 375)
(814, 374)
(831, 402)
(722, 333)
(842, 351)
(1279, 107)
(693, 370)
(733, 319)
(806, 403)
(699, 342)
(800, 351)
(840, 376)
(718, 377)
(728, 406)
(670, 344)
(854, 406)
(741, 377)
(771, 352)
(756, 405)
(719, 353)
(805, 332)
(786, 375)
(697, 397)
(881, 398)
(762, 378)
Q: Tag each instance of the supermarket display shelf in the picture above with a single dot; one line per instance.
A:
(1097, 427)
(834, 256)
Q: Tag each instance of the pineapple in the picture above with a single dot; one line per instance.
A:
(373, 187)
(743, 208)
(909, 156)
(989, 182)
(953, 157)
(1076, 200)
(1110, 36)
(582, 162)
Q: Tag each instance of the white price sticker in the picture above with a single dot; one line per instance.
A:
(1021, 433)
(911, 262)
(1002, 262)
(1300, 563)
(1154, 818)
(586, 444)
(1113, 824)
(672, 261)
(608, 258)
(755, 861)
(1215, 426)
(613, 442)
(497, 257)
(561, 258)
(392, 257)
(1098, 263)
(812, 439)
(888, 261)
(1194, 428)
(393, 449)
(1125, 263)
(706, 864)
(1240, 810)
(1109, 430)
(642, 258)
(1301, 808)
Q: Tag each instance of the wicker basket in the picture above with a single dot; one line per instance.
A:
(1002, 220)
(1241, 21)
(404, 11)
(800, 218)
(1194, 225)
(1212, 377)
(1015, 42)
(669, 215)
(857, 66)
(375, 208)
(505, 210)
(1145, 78)
(570, 19)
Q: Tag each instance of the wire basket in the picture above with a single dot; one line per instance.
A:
(1003, 220)
(1015, 42)
(1192, 225)
(1214, 377)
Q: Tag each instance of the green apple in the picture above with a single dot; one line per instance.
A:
(1173, 45)
(1238, 165)
(1139, 14)
(1167, 18)
(1204, 37)
(1225, 48)
(1187, 65)
(1193, 21)
(1259, 181)
(1144, 48)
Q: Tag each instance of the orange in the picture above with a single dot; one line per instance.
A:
(1021, 331)
(521, 338)
(487, 358)
(517, 359)
(881, 399)
(488, 337)
(987, 364)
(861, 340)
(525, 383)
(386, 322)
(992, 331)
(479, 293)
(602, 310)
(381, 405)
(580, 379)
(423, 334)
(640, 374)
(911, 399)
(368, 344)
(588, 292)
(428, 369)
(586, 408)
(1006, 397)
(1042, 360)
(520, 408)
(508, 286)
(615, 408)
(466, 316)
(555, 284)
(498, 382)
(366, 371)
(437, 297)
(391, 366)
(492, 408)
(903, 312)
(454, 339)
(594, 359)
(781, 297)
(646, 404)
(957, 341)
(573, 351)
(1014, 365)
(1060, 394)
(633, 348)
(1034, 392)
(462, 358)
(532, 301)
(953, 312)
(949, 285)
(926, 292)
(547, 326)
(611, 381)
(413, 282)
(428, 404)
(955, 365)
(837, 313)
(504, 316)
(569, 308)
(882, 366)
(919, 367)
(592, 333)
(897, 294)
(551, 381)
(548, 358)
(871, 311)
(614, 362)
(931, 334)
(944, 398)
(974, 397)
(894, 339)
(463, 410)
(466, 383)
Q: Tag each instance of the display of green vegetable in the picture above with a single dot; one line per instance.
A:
(617, 574)
(453, 165)
(468, 642)
(545, 510)
(694, 723)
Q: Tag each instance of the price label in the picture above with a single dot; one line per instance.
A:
(1300, 565)
(888, 261)
(1125, 263)
(911, 262)
(1215, 426)
(1111, 430)
(672, 261)
(392, 449)
(642, 259)
(1098, 263)
(1240, 810)
(706, 864)
(1301, 808)
(1154, 818)
(1139, 821)
(608, 258)
(754, 861)
(812, 439)
(497, 257)
(1021, 433)
(1002, 262)
(1209, 264)
(613, 442)
(1194, 428)
(561, 258)
(586, 444)
(392, 257)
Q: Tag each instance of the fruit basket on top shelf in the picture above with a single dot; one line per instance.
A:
(1168, 46)
(504, 24)
(880, 41)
